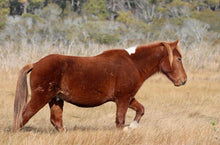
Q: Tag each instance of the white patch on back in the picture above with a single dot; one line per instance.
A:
(131, 50)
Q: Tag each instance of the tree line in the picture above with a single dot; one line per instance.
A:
(108, 21)
(107, 9)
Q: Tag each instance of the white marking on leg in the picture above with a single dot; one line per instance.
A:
(133, 125)
(131, 50)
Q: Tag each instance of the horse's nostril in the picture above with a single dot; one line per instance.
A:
(182, 82)
(185, 80)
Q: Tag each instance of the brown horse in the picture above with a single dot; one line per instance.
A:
(114, 75)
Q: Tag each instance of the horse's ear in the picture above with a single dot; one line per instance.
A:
(176, 42)
(177, 47)
(170, 52)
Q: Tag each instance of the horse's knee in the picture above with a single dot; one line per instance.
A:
(139, 113)
(141, 110)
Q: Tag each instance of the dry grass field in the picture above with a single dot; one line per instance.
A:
(187, 115)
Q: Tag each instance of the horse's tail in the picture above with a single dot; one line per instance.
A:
(21, 96)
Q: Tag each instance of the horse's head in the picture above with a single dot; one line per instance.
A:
(171, 65)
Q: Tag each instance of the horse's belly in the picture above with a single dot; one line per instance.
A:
(89, 103)
(87, 99)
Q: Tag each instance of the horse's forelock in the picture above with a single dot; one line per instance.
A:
(175, 45)
(170, 52)
(179, 51)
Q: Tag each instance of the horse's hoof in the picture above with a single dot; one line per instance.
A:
(63, 129)
(126, 128)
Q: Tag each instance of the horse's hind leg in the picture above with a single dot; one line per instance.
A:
(56, 111)
(139, 108)
(38, 100)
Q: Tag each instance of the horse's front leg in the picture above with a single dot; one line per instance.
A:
(122, 107)
(139, 108)
(135, 105)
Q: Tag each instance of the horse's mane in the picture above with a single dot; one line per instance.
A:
(151, 45)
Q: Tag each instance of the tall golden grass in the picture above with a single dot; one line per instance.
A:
(185, 115)
(14, 55)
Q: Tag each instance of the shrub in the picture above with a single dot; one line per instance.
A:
(210, 17)
(125, 17)
(100, 32)
(97, 8)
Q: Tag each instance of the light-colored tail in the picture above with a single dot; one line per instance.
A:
(21, 96)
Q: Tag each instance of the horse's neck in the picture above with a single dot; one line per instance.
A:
(147, 61)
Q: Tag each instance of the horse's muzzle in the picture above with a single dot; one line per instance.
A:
(180, 82)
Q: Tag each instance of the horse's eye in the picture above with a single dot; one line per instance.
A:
(179, 59)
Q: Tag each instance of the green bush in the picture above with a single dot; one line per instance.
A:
(178, 3)
(125, 17)
(35, 18)
(2, 23)
(210, 17)
(51, 11)
(213, 2)
(97, 8)
(99, 32)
